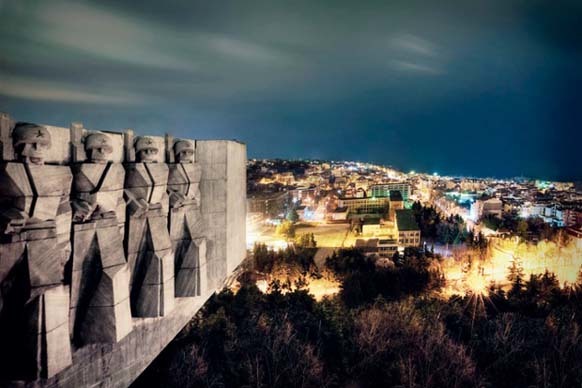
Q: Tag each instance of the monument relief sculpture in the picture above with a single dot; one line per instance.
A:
(99, 231)
(100, 309)
(185, 221)
(148, 244)
(34, 302)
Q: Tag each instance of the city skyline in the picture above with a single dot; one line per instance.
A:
(412, 172)
(480, 88)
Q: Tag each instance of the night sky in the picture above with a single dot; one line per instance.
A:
(483, 88)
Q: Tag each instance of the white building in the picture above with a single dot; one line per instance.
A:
(492, 206)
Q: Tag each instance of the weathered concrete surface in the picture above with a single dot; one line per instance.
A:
(222, 187)
(220, 230)
(119, 364)
(236, 210)
(223, 209)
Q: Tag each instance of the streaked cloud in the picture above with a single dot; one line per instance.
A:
(42, 39)
(414, 54)
(247, 51)
(99, 32)
(417, 67)
(415, 44)
(34, 89)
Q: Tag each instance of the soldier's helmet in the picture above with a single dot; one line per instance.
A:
(31, 142)
(98, 146)
(30, 133)
(145, 143)
(183, 151)
(146, 149)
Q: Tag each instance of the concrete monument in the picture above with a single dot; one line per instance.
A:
(34, 302)
(100, 310)
(89, 223)
(148, 244)
(186, 221)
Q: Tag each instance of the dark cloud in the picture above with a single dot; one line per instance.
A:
(483, 87)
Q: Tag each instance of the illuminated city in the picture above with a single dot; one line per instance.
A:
(348, 204)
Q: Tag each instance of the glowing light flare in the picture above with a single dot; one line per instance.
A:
(473, 277)
(319, 287)
(476, 283)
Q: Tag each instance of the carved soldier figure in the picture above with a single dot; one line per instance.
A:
(185, 222)
(34, 200)
(148, 245)
(100, 309)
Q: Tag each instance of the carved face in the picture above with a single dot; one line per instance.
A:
(146, 150)
(98, 147)
(31, 142)
(184, 152)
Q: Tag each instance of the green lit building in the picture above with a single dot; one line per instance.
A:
(384, 189)
(370, 205)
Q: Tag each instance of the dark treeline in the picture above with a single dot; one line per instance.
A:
(439, 229)
(531, 228)
(363, 281)
(387, 327)
(297, 256)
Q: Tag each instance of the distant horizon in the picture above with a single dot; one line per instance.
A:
(572, 180)
(154, 132)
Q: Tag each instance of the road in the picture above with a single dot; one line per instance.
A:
(329, 237)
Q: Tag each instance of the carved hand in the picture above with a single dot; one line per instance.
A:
(176, 199)
(82, 210)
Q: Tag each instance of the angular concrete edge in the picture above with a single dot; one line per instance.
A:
(223, 212)
(119, 364)
(223, 205)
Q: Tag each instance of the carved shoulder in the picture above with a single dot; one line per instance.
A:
(158, 172)
(194, 172)
(51, 181)
(14, 181)
(87, 176)
(136, 175)
(177, 175)
(115, 178)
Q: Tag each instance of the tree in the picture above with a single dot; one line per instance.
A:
(491, 221)
(292, 215)
(396, 345)
(515, 270)
(516, 276)
(522, 229)
(306, 240)
(478, 241)
(264, 258)
(286, 229)
(396, 256)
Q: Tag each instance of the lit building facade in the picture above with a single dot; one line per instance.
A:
(408, 230)
(384, 189)
(268, 204)
(365, 205)
(491, 206)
